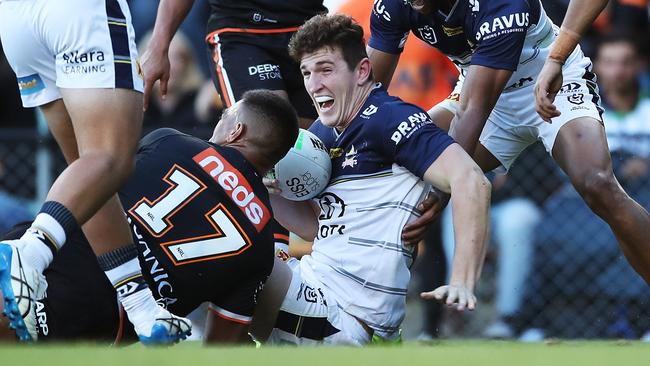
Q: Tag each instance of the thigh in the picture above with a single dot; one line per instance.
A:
(581, 147)
(240, 63)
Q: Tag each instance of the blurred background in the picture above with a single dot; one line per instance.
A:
(554, 269)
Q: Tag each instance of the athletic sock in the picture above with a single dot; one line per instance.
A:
(47, 234)
(122, 268)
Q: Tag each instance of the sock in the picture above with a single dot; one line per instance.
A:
(122, 268)
(47, 234)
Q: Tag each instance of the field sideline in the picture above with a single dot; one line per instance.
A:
(446, 353)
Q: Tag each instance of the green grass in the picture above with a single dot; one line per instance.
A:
(447, 353)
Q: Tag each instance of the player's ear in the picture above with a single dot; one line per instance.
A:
(237, 132)
(364, 71)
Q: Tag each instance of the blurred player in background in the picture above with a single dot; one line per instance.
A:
(80, 68)
(199, 212)
(501, 47)
(353, 286)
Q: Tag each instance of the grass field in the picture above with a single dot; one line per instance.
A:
(447, 353)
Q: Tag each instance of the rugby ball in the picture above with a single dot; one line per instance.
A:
(305, 171)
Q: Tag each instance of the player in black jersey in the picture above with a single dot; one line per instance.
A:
(248, 48)
(200, 216)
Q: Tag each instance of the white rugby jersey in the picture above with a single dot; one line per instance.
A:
(377, 163)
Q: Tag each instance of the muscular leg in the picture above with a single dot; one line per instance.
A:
(581, 151)
(98, 144)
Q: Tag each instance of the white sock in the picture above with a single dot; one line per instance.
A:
(34, 250)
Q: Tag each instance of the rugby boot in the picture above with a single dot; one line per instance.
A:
(21, 286)
(167, 329)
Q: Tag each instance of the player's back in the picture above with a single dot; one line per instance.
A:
(199, 213)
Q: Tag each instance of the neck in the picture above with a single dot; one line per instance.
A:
(356, 103)
(252, 158)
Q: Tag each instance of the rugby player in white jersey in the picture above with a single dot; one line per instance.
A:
(385, 154)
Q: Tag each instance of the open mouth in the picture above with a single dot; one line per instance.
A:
(324, 102)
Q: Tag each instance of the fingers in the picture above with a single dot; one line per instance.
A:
(414, 232)
(272, 185)
(544, 105)
(458, 297)
(148, 85)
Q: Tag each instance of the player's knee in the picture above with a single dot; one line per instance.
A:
(599, 188)
(119, 166)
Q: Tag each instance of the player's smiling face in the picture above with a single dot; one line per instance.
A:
(332, 86)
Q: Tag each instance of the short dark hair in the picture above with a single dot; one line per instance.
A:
(620, 37)
(275, 123)
(334, 31)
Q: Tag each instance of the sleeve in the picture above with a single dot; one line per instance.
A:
(412, 139)
(388, 30)
(501, 32)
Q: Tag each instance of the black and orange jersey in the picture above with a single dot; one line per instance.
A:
(199, 214)
(262, 14)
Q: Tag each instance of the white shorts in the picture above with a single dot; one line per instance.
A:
(71, 44)
(514, 123)
(309, 300)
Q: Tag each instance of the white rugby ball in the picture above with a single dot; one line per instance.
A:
(305, 171)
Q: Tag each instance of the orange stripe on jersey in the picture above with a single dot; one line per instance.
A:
(216, 58)
(224, 316)
(235, 185)
(249, 30)
(281, 237)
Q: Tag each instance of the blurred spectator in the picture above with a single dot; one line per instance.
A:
(619, 67)
(181, 109)
(515, 213)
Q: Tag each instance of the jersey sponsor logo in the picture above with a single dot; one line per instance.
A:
(475, 5)
(379, 9)
(41, 319)
(89, 62)
(30, 84)
(428, 34)
(406, 128)
(505, 24)
(235, 185)
(318, 144)
(331, 206)
(336, 152)
(265, 71)
(350, 158)
(162, 288)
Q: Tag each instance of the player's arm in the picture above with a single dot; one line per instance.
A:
(299, 217)
(383, 65)
(481, 90)
(578, 18)
(455, 172)
(155, 61)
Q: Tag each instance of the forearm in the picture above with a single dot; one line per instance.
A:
(466, 128)
(579, 17)
(470, 204)
(171, 14)
(298, 217)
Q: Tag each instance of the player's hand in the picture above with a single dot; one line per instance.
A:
(272, 185)
(547, 86)
(430, 207)
(155, 66)
(458, 296)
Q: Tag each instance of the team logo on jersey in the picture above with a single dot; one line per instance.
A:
(30, 84)
(235, 185)
(380, 10)
(428, 34)
(331, 205)
(504, 24)
(577, 98)
(372, 109)
(475, 6)
(350, 158)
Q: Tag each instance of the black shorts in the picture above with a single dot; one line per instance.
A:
(245, 59)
